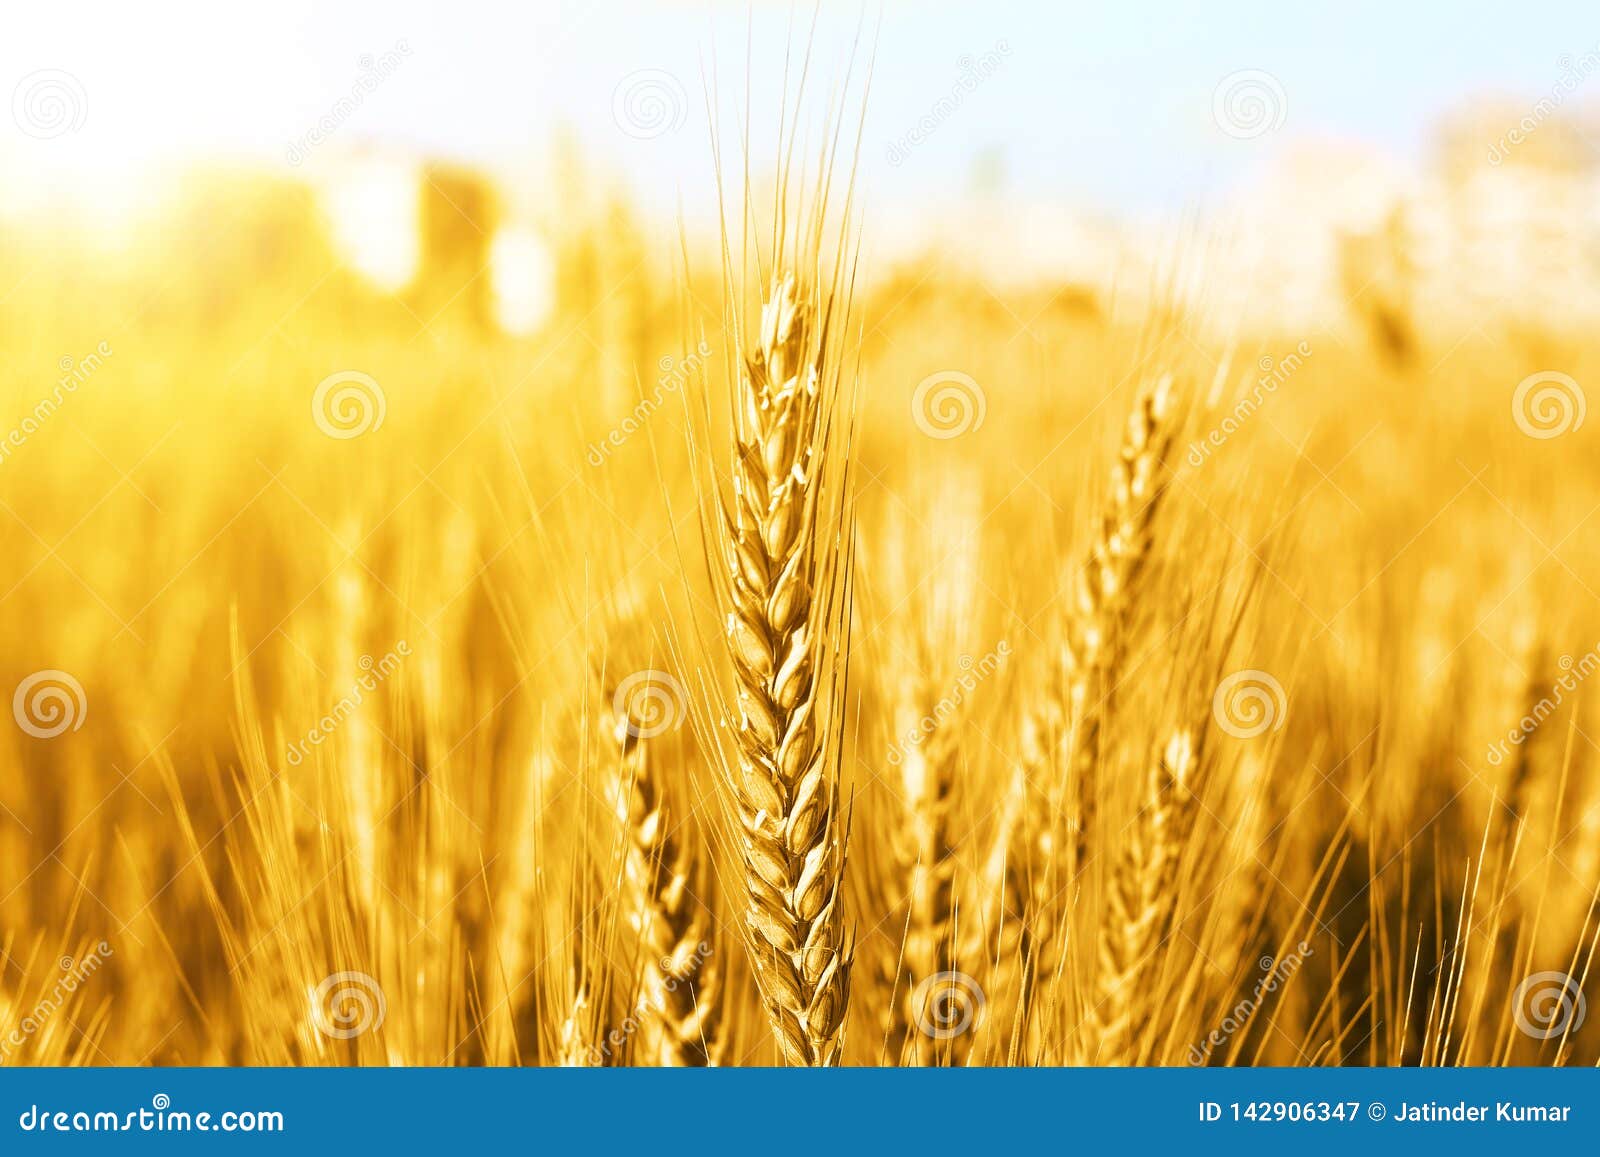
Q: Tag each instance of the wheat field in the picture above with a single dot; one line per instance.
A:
(779, 658)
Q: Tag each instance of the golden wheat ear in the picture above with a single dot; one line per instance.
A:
(778, 520)
(786, 532)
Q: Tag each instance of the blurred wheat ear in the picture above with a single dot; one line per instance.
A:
(1106, 594)
(660, 874)
(1066, 723)
(1140, 904)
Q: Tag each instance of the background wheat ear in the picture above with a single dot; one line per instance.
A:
(1040, 855)
(1106, 591)
(663, 879)
(936, 650)
(1140, 904)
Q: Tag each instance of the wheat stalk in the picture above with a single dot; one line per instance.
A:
(786, 600)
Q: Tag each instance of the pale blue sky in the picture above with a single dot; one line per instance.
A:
(1109, 106)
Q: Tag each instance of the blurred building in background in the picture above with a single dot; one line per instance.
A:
(459, 215)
